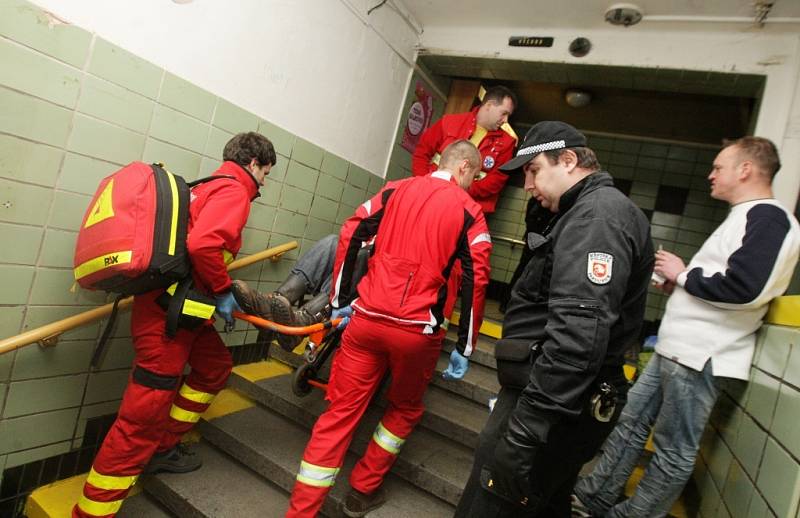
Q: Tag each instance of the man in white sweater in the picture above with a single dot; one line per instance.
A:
(707, 334)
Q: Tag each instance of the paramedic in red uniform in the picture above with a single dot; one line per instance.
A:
(483, 126)
(158, 406)
(422, 225)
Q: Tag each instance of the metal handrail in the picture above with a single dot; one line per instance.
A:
(508, 240)
(47, 335)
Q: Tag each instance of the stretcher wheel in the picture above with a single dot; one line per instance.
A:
(300, 385)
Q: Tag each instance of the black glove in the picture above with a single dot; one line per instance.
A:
(512, 464)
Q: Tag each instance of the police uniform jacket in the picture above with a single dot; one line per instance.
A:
(578, 304)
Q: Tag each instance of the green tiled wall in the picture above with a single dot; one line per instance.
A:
(749, 462)
(646, 165)
(74, 108)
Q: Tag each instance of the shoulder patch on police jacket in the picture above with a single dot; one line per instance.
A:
(599, 267)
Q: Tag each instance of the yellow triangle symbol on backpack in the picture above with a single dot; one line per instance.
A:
(103, 207)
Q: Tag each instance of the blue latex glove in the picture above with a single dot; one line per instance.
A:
(226, 305)
(344, 313)
(458, 366)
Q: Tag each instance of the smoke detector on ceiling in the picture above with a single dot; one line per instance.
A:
(624, 14)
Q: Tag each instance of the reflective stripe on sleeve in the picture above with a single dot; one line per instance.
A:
(109, 482)
(195, 395)
(179, 414)
(387, 440)
(317, 476)
(483, 237)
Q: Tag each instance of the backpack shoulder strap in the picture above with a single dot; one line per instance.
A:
(209, 179)
(99, 350)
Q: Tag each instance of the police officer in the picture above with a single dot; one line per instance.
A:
(576, 307)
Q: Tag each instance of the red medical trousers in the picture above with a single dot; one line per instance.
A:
(369, 347)
(156, 408)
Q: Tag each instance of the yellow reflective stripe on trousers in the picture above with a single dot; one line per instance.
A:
(387, 440)
(194, 308)
(182, 415)
(195, 395)
(99, 508)
(100, 263)
(317, 476)
(109, 481)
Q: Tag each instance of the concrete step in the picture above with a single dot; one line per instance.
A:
(221, 488)
(438, 463)
(142, 504)
(483, 353)
(272, 445)
(455, 417)
(479, 384)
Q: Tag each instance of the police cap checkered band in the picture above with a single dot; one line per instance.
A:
(538, 148)
(545, 136)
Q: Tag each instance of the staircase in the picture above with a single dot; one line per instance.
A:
(251, 455)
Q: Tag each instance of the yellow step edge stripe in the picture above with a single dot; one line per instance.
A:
(784, 311)
(57, 499)
(227, 402)
(488, 328)
(258, 371)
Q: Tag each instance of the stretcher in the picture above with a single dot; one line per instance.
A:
(323, 340)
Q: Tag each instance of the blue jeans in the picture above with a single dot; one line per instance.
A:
(316, 265)
(676, 401)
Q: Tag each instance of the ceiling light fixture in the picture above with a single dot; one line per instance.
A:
(624, 14)
(577, 98)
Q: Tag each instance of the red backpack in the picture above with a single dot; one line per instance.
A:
(133, 236)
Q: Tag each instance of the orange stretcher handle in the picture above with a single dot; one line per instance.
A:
(318, 384)
(316, 331)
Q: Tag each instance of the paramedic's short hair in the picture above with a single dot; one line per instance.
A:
(498, 93)
(457, 151)
(244, 147)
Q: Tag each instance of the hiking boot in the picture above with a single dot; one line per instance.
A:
(252, 301)
(358, 504)
(260, 305)
(293, 288)
(314, 311)
(178, 459)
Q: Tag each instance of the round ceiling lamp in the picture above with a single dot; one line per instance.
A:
(624, 14)
(577, 98)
